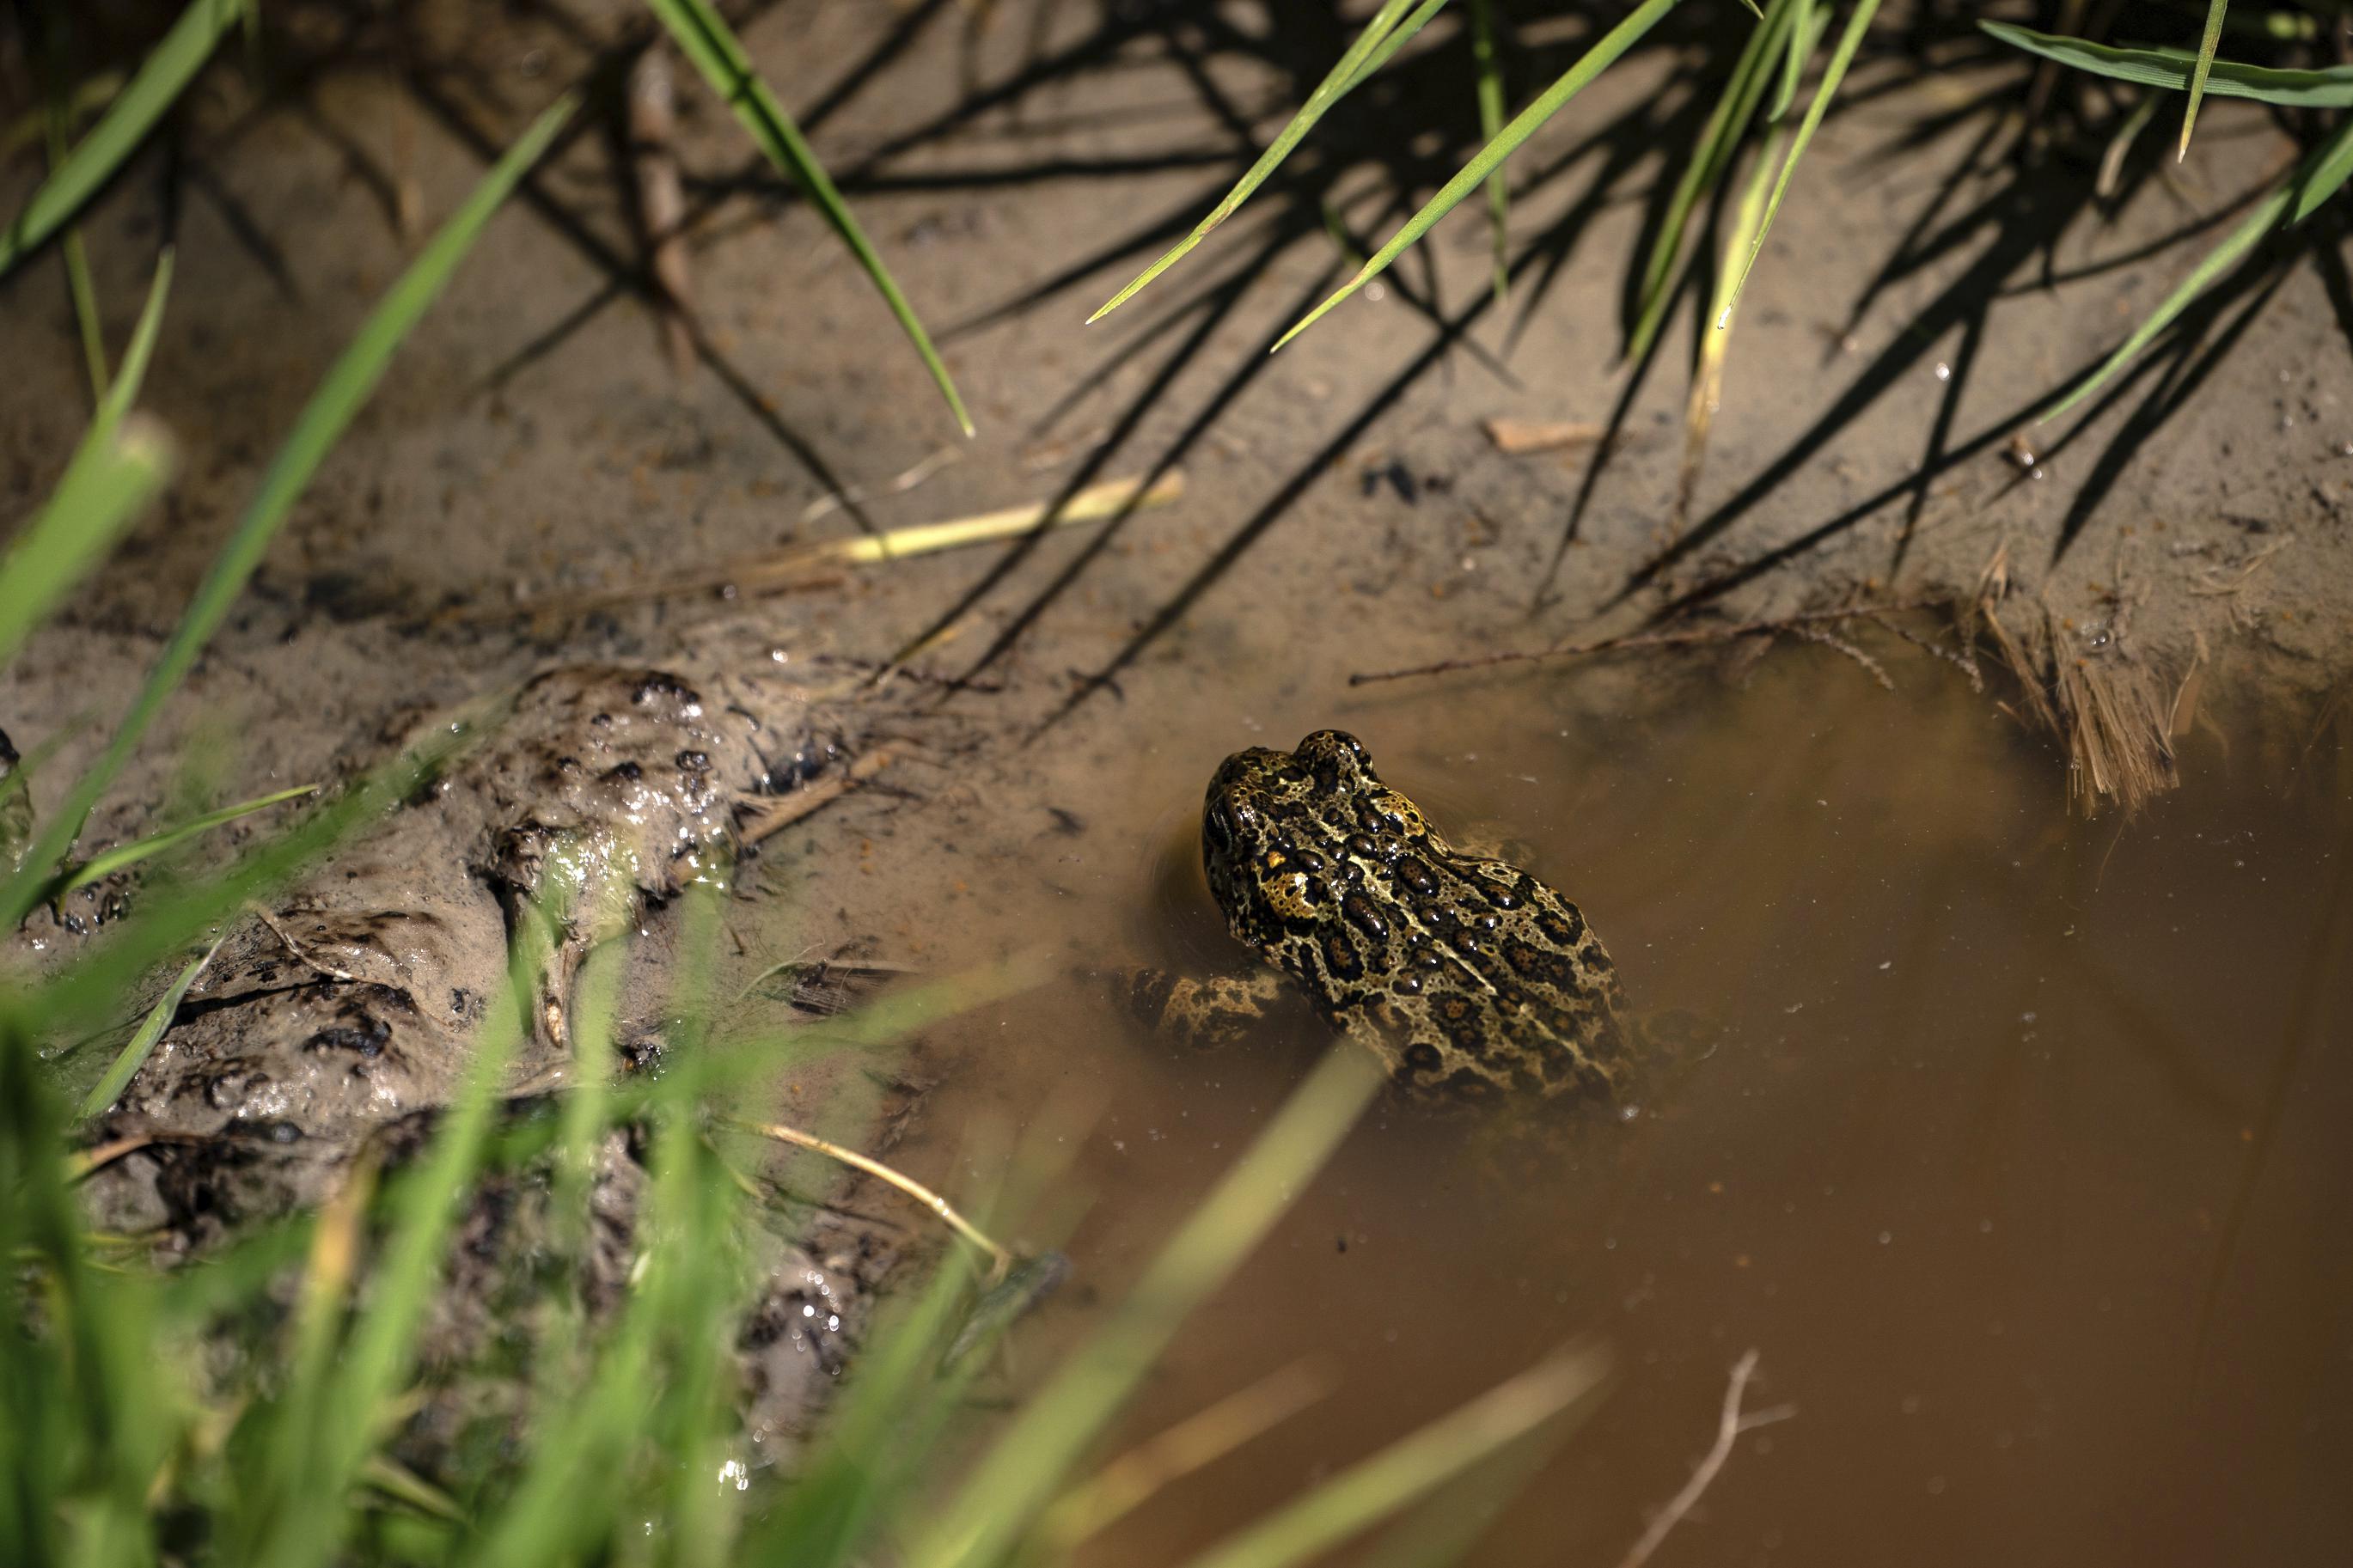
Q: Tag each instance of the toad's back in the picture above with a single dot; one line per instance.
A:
(1467, 975)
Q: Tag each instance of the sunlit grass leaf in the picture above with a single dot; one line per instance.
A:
(1806, 24)
(1707, 375)
(336, 1408)
(106, 487)
(1374, 1488)
(2213, 35)
(321, 424)
(1020, 1473)
(1844, 55)
(1351, 68)
(2328, 88)
(716, 52)
(1727, 122)
(1491, 157)
(142, 1043)
(1490, 121)
(160, 78)
(2321, 175)
(106, 481)
(124, 855)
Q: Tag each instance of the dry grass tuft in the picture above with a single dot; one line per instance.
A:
(2112, 711)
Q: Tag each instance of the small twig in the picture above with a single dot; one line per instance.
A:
(1001, 1259)
(86, 1163)
(1519, 437)
(1838, 644)
(1698, 635)
(897, 486)
(2216, 587)
(1728, 1430)
(764, 816)
(286, 940)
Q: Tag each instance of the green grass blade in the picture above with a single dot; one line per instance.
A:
(1350, 69)
(1019, 1474)
(124, 855)
(1369, 1492)
(1806, 24)
(336, 1406)
(2323, 174)
(1490, 121)
(1395, 40)
(2317, 178)
(720, 56)
(2329, 88)
(67, 538)
(161, 78)
(142, 1043)
(1843, 56)
(132, 373)
(108, 483)
(1596, 60)
(1727, 124)
(320, 424)
(2197, 76)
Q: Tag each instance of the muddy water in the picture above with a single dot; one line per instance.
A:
(2020, 1160)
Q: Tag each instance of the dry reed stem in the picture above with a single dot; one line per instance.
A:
(1728, 1431)
(1520, 438)
(811, 565)
(1001, 1259)
(764, 816)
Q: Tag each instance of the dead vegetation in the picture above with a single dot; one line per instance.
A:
(2113, 710)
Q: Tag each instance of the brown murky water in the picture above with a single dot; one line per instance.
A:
(2022, 1163)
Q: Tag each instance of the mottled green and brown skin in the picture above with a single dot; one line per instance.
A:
(1467, 975)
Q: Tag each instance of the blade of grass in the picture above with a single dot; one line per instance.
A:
(1843, 56)
(70, 536)
(1373, 1489)
(1707, 377)
(142, 1043)
(2331, 86)
(1022, 1470)
(705, 38)
(80, 286)
(163, 76)
(124, 855)
(2111, 158)
(1806, 25)
(2324, 175)
(1596, 60)
(320, 424)
(1345, 74)
(2317, 178)
(2213, 35)
(1727, 124)
(106, 486)
(347, 1397)
(1490, 121)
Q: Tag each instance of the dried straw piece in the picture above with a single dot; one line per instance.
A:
(811, 565)
(1520, 438)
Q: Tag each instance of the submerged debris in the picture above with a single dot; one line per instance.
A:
(2103, 704)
